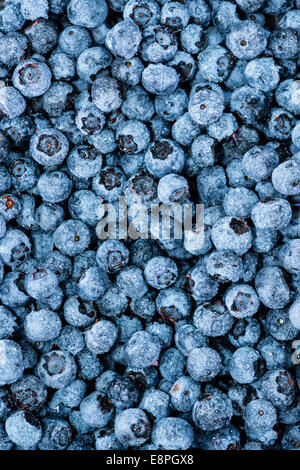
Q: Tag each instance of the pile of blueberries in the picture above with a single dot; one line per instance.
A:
(148, 343)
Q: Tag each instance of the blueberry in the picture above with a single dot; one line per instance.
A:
(283, 43)
(49, 147)
(101, 336)
(206, 105)
(279, 325)
(84, 162)
(155, 403)
(42, 325)
(123, 39)
(249, 103)
(226, 438)
(200, 285)
(23, 429)
(278, 386)
(259, 162)
(271, 287)
(188, 337)
(62, 66)
(285, 177)
(212, 319)
(87, 13)
(40, 283)
(212, 412)
(86, 206)
(71, 237)
(131, 281)
(142, 349)
(90, 120)
(123, 393)
(106, 440)
(246, 40)
(12, 366)
(12, 103)
(32, 78)
(280, 124)
(142, 14)
(203, 364)
(57, 434)
(171, 364)
(132, 427)
(245, 332)
(42, 35)
(290, 439)
(244, 367)
(57, 369)
(262, 74)
(8, 323)
(92, 283)
(271, 214)
(159, 44)
(242, 301)
(160, 79)
(132, 136)
(29, 393)
(13, 47)
(160, 272)
(73, 40)
(129, 72)
(172, 434)
(54, 187)
(106, 94)
(184, 393)
(171, 107)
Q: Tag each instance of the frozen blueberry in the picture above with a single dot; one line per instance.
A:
(73, 40)
(242, 301)
(160, 79)
(12, 103)
(206, 104)
(42, 325)
(279, 325)
(123, 39)
(40, 283)
(101, 336)
(49, 147)
(212, 319)
(259, 162)
(92, 283)
(131, 281)
(172, 434)
(203, 364)
(164, 157)
(106, 94)
(132, 427)
(212, 412)
(160, 272)
(142, 349)
(24, 429)
(245, 365)
(279, 387)
(11, 362)
(262, 74)
(32, 78)
(87, 13)
(286, 177)
(271, 287)
(246, 40)
(271, 214)
(57, 369)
